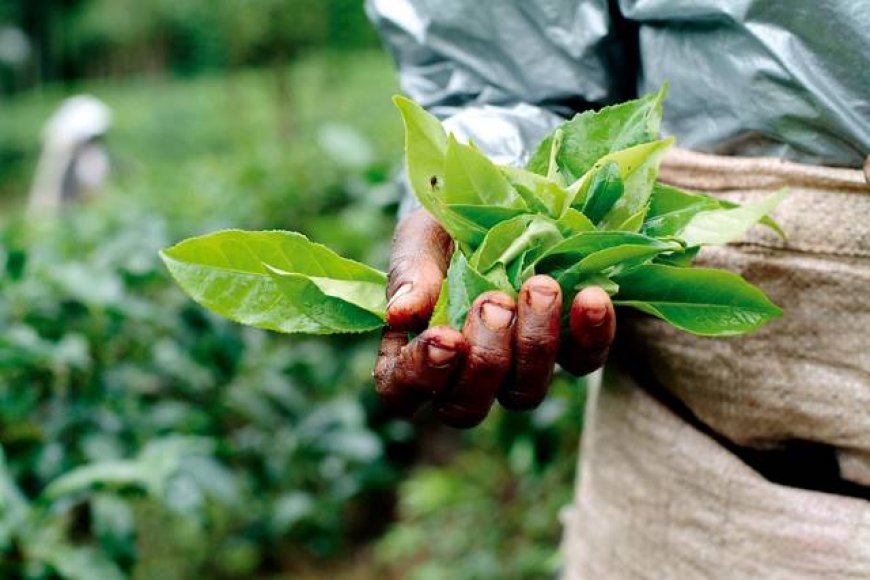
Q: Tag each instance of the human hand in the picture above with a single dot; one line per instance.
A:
(506, 350)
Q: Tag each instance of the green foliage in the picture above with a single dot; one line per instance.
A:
(493, 510)
(699, 300)
(462, 285)
(142, 433)
(506, 241)
(638, 169)
(278, 281)
(471, 179)
(592, 135)
(724, 225)
(604, 191)
(81, 38)
(426, 147)
(615, 192)
(613, 158)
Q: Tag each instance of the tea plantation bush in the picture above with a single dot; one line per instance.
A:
(143, 436)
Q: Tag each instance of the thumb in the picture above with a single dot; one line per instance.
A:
(421, 253)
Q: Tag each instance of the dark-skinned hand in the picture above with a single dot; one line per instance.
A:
(505, 351)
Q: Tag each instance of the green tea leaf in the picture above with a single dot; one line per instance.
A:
(460, 229)
(472, 179)
(638, 167)
(227, 272)
(425, 150)
(553, 172)
(598, 281)
(670, 209)
(634, 223)
(721, 226)
(369, 296)
(591, 135)
(606, 188)
(425, 157)
(499, 277)
(516, 270)
(509, 239)
(766, 221)
(314, 312)
(625, 256)
(574, 249)
(608, 262)
(464, 284)
(702, 301)
(486, 216)
(498, 240)
(439, 312)
(574, 222)
(541, 194)
(680, 259)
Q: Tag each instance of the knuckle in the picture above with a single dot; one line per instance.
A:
(382, 381)
(483, 358)
(400, 264)
(537, 342)
(406, 375)
(381, 374)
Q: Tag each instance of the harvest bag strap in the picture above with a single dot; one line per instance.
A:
(661, 492)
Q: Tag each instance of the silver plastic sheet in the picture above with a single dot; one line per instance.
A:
(785, 78)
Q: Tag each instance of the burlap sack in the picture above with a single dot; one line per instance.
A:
(661, 493)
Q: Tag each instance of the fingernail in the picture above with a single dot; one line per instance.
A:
(438, 356)
(403, 289)
(496, 317)
(541, 299)
(595, 315)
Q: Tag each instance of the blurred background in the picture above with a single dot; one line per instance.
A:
(142, 437)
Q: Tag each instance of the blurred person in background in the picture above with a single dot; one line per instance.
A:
(723, 458)
(74, 163)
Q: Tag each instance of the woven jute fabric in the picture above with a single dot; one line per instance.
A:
(660, 498)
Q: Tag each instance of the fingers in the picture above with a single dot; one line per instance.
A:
(394, 398)
(407, 375)
(489, 333)
(421, 253)
(536, 344)
(505, 349)
(430, 361)
(593, 326)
